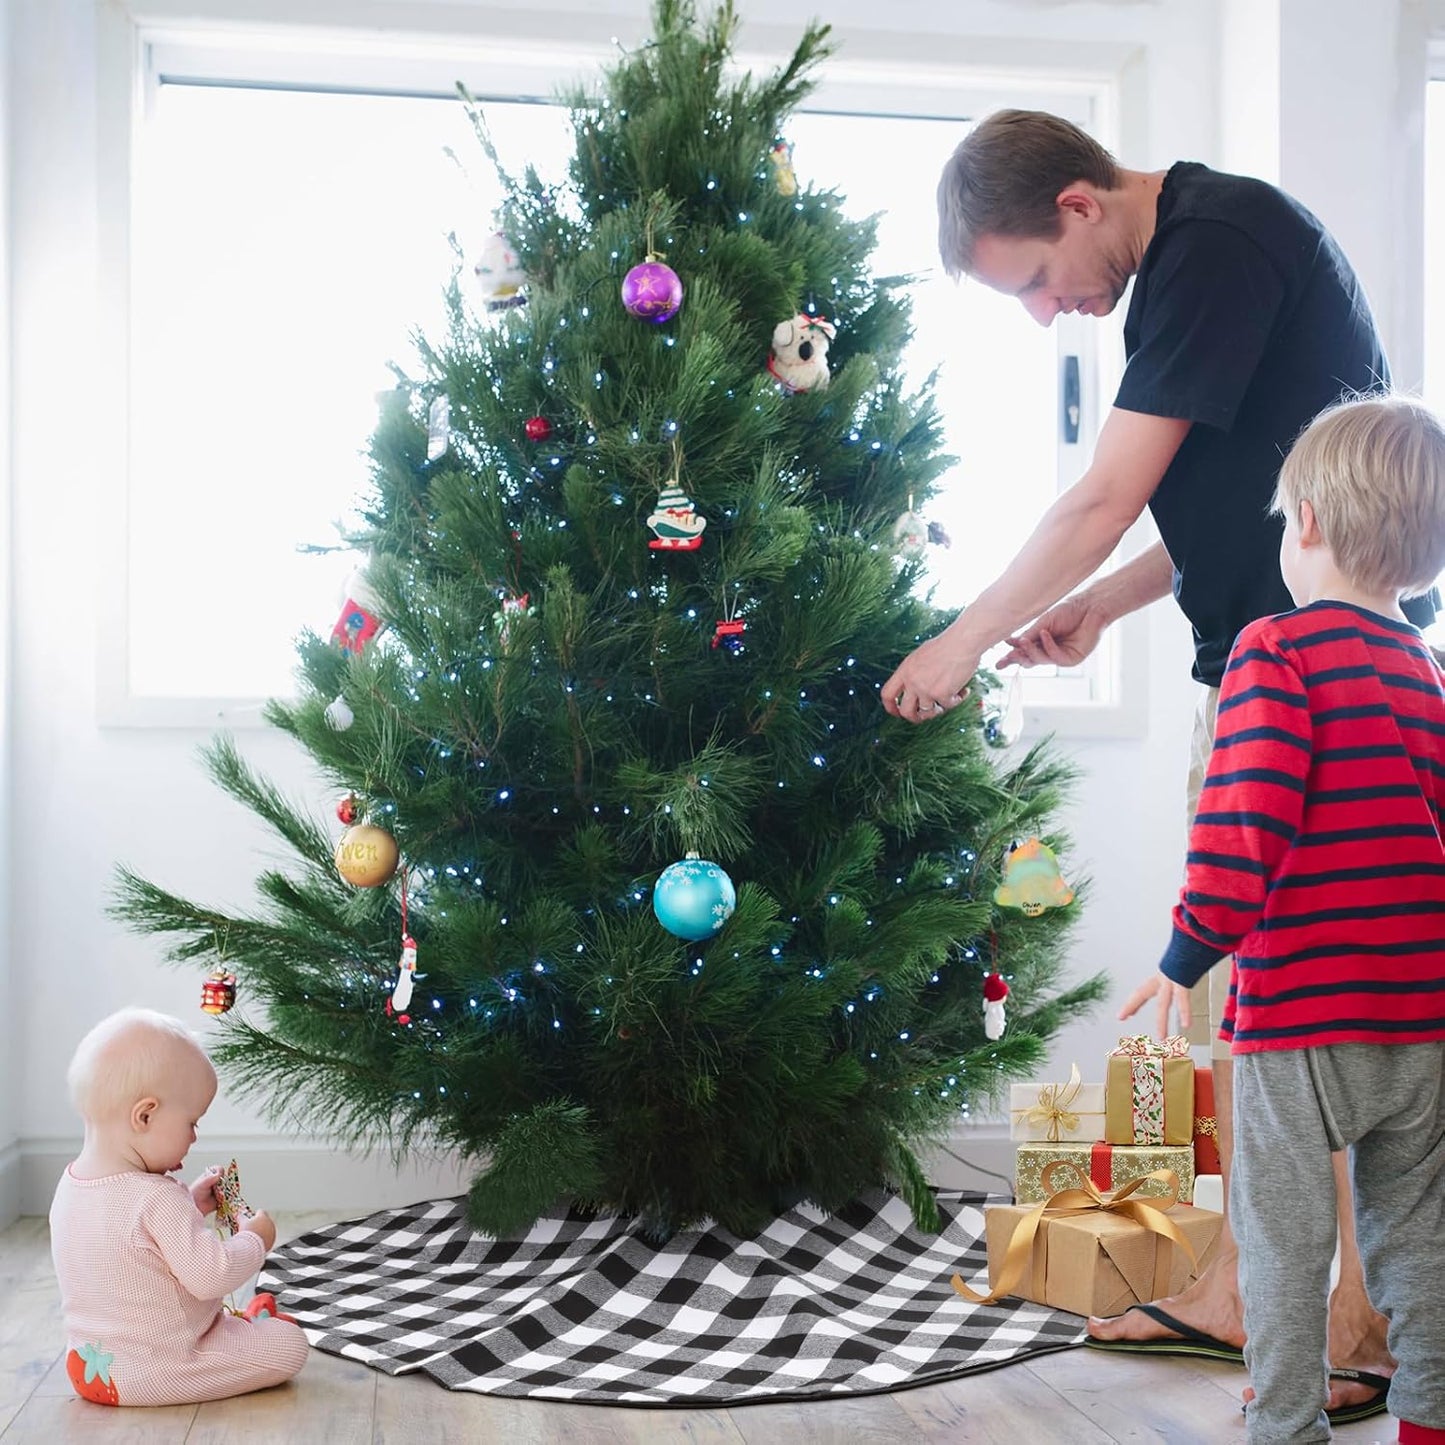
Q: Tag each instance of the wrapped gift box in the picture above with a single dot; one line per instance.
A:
(1206, 1124)
(1052, 1112)
(1100, 1262)
(1149, 1092)
(1107, 1166)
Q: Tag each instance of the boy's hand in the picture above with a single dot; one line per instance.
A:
(261, 1223)
(203, 1191)
(1171, 996)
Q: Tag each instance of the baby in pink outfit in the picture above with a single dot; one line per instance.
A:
(142, 1275)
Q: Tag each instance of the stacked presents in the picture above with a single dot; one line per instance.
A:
(1103, 1179)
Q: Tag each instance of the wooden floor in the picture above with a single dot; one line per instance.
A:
(1076, 1397)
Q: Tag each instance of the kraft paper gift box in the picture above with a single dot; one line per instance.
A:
(1106, 1166)
(1206, 1124)
(1053, 1112)
(1094, 1254)
(1149, 1092)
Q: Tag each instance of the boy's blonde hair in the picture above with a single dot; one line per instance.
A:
(133, 1054)
(1373, 470)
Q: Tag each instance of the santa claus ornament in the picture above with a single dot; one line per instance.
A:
(995, 991)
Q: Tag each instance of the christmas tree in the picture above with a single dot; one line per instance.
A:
(640, 582)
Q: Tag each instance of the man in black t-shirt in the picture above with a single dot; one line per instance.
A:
(1245, 321)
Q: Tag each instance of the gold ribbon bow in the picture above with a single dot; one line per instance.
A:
(1150, 1212)
(1053, 1107)
(1142, 1046)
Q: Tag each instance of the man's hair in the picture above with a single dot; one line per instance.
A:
(1005, 177)
(126, 1057)
(1373, 470)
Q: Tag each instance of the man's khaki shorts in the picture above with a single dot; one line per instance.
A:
(1207, 997)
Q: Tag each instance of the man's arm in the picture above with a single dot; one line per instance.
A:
(1069, 631)
(1074, 536)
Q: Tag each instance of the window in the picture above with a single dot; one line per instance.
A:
(288, 238)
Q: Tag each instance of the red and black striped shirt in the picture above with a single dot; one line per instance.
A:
(1315, 856)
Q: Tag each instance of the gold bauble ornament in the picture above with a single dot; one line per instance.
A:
(367, 855)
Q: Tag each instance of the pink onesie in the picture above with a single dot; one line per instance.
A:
(142, 1276)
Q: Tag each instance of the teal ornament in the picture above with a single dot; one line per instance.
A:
(694, 898)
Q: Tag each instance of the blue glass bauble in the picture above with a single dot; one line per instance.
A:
(693, 899)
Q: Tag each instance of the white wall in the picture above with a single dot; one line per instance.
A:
(85, 797)
(10, 1061)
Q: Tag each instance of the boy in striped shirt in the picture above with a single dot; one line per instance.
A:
(1316, 861)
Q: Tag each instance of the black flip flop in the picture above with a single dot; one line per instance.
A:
(1377, 1404)
(1194, 1342)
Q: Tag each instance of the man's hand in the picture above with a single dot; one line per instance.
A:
(931, 679)
(1065, 635)
(1171, 996)
(203, 1191)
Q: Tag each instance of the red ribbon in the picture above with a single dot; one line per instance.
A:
(1101, 1166)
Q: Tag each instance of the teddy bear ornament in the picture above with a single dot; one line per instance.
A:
(799, 358)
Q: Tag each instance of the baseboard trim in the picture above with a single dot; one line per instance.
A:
(276, 1174)
(306, 1174)
(10, 1191)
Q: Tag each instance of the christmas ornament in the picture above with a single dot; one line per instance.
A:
(652, 290)
(338, 715)
(693, 898)
(938, 536)
(676, 521)
(438, 428)
(346, 809)
(367, 855)
(910, 535)
(1003, 723)
(511, 607)
(799, 358)
(500, 274)
(231, 1208)
(1031, 879)
(785, 178)
(729, 634)
(360, 618)
(400, 1000)
(218, 992)
(995, 991)
(538, 428)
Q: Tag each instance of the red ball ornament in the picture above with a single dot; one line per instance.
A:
(538, 428)
(652, 291)
(346, 809)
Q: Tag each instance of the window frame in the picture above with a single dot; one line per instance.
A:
(1106, 698)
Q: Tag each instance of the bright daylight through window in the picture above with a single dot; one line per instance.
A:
(287, 246)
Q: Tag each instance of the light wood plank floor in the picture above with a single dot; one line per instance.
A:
(1077, 1397)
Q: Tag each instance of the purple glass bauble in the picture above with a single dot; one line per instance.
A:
(653, 291)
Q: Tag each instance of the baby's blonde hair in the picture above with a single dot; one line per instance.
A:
(128, 1056)
(1373, 470)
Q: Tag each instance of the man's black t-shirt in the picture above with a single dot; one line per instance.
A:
(1247, 320)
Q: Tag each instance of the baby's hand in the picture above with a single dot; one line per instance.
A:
(261, 1223)
(1171, 996)
(203, 1191)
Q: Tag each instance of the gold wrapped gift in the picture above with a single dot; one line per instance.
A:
(1108, 1166)
(1096, 1254)
(1149, 1092)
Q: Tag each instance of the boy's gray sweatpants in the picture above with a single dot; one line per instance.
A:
(1386, 1103)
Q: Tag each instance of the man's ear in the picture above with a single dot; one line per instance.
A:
(1080, 201)
(141, 1114)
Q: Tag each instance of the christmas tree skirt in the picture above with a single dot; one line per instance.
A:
(581, 1308)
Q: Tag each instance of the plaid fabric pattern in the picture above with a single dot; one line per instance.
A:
(588, 1309)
